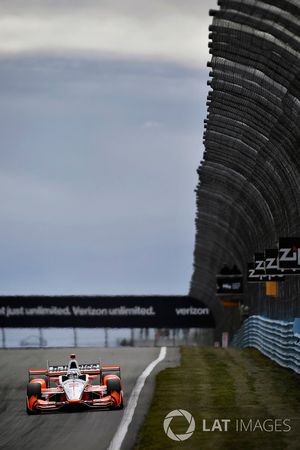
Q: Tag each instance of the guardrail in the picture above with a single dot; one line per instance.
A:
(276, 339)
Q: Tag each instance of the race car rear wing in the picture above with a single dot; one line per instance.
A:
(89, 369)
(37, 373)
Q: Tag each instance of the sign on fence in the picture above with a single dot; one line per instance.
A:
(289, 255)
(229, 281)
(265, 267)
(271, 262)
(253, 276)
(230, 285)
(259, 262)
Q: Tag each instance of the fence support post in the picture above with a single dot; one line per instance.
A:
(40, 337)
(3, 338)
(75, 337)
(106, 337)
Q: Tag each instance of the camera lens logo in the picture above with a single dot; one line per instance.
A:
(175, 413)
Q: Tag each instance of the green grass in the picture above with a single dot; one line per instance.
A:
(224, 384)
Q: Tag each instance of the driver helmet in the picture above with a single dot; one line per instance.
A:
(73, 374)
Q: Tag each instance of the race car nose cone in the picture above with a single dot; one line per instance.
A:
(73, 389)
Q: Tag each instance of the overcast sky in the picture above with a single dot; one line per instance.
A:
(101, 120)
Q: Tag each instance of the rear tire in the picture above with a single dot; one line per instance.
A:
(105, 372)
(40, 377)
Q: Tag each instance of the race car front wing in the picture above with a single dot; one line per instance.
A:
(104, 402)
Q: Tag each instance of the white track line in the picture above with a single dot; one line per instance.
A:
(128, 414)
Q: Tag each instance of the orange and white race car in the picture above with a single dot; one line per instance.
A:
(69, 385)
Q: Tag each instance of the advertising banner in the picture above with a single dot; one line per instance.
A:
(100, 311)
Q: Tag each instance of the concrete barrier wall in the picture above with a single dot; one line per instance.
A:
(274, 338)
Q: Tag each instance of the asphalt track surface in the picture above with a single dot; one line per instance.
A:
(88, 429)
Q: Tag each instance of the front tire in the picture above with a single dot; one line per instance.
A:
(121, 406)
(31, 412)
(34, 392)
(34, 389)
(113, 384)
(114, 389)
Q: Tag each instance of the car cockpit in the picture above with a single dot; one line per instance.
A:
(73, 371)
